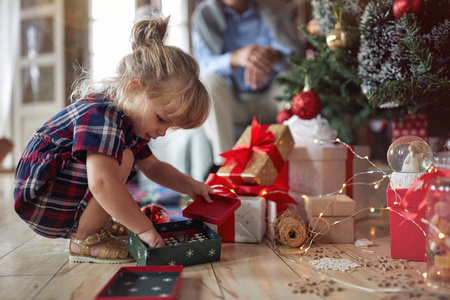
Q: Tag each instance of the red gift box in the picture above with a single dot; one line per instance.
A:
(410, 125)
(408, 240)
(216, 212)
(149, 282)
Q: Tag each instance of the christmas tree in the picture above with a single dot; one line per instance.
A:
(374, 59)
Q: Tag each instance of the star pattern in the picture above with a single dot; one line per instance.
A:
(156, 288)
(212, 252)
(172, 262)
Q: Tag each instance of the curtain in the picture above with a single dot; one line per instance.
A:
(9, 37)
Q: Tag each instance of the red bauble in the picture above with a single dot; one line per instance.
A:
(284, 115)
(306, 105)
(156, 213)
(402, 7)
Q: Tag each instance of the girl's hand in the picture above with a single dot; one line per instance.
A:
(152, 238)
(197, 188)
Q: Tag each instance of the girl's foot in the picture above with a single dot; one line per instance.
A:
(101, 247)
(117, 229)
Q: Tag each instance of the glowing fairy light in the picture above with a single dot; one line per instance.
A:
(441, 235)
(264, 192)
(376, 186)
(304, 197)
(372, 209)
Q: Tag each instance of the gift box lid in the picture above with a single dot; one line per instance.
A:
(336, 205)
(215, 212)
(148, 282)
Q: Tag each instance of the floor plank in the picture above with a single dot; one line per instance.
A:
(252, 271)
(22, 287)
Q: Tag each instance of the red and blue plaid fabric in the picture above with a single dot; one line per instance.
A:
(51, 189)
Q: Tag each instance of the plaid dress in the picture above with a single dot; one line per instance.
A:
(51, 189)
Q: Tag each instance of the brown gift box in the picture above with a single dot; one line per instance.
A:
(260, 169)
(341, 208)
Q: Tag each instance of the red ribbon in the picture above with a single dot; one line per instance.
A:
(409, 201)
(261, 142)
(276, 192)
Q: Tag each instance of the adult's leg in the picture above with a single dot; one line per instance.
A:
(225, 111)
(94, 216)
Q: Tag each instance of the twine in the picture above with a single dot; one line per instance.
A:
(290, 229)
(313, 224)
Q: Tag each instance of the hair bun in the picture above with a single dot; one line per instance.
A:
(149, 31)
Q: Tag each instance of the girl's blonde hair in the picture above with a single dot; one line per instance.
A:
(165, 74)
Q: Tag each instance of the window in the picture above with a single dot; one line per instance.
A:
(178, 31)
(110, 27)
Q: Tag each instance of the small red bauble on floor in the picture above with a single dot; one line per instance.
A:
(306, 105)
(156, 213)
(401, 7)
(284, 115)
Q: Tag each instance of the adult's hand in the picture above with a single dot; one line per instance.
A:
(253, 56)
(255, 78)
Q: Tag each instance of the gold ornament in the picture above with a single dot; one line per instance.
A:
(337, 39)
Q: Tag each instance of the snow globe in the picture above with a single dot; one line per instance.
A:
(409, 157)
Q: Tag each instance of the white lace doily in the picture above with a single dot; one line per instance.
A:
(335, 264)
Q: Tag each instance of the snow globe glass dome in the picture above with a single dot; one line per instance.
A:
(409, 154)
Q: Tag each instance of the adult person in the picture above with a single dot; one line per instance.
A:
(241, 45)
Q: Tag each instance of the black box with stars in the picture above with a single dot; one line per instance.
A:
(188, 243)
(150, 282)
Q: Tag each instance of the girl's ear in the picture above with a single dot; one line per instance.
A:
(134, 86)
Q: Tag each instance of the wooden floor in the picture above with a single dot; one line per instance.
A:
(33, 267)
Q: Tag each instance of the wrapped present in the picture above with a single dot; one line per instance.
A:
(197, 244)
(149, 282)
(243, 223)
(258, 155)
(317, 170)
(408, 240)
(324, 212)
(322, 169)
(416, 124)
(247, 225)
(255, 199)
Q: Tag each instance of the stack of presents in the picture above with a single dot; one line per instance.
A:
(265, 174)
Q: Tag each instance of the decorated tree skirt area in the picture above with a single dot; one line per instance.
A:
(343, 271)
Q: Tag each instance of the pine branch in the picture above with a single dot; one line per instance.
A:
(420, 56)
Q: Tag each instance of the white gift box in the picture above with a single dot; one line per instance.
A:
(318, 170)
(249, 222)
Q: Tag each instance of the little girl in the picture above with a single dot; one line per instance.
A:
(70, 180)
